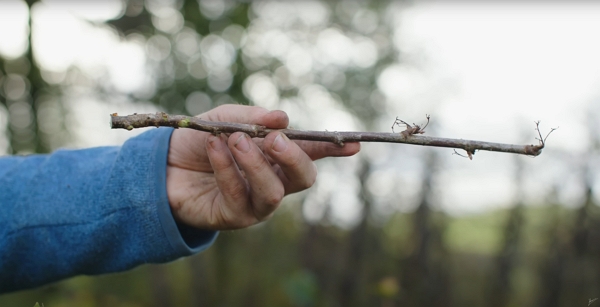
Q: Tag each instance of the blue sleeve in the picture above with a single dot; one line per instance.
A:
(90, 211)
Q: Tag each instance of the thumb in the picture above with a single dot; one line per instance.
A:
(247, 115)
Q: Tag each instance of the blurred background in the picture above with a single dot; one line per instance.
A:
(396, 225)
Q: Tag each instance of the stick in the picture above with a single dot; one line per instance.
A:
(408, 136)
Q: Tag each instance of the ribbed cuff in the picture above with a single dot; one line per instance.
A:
(184, 240)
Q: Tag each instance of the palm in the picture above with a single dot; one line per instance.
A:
(203, 198)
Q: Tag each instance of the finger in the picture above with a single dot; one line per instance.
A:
(266, 189)
(247, 115)
(190, 152)
(234, 188)
(194, 141)
(317, 150)
(296, 169)
(275, 119)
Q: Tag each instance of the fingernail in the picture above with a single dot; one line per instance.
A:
(213, 141)
(242, 143)
(280, 144)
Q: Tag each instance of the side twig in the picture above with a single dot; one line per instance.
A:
(412, 134)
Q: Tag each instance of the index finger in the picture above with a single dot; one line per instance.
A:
(275, 119)
(318, 150)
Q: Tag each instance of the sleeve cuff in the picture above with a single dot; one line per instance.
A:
(184, 240)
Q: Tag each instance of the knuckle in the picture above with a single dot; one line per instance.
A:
(273, 199)
(292, 160)
(309, 181)
(238, 191)
(257, 164)
(308, 177)
(261, 109)
(215, 114)
(295, 162)
(225, 107)
(223, 164)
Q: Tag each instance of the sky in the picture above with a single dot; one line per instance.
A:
(517, 62)
(484, 72)
(509, 65)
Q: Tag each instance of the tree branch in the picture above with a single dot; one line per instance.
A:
(256, 131)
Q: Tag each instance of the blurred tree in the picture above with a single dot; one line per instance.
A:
(424, 275)
(182, 76)
(23, 89)
(508, 257)
(552, 271)
(357, 271)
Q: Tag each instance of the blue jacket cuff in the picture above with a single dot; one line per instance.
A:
(184, 240)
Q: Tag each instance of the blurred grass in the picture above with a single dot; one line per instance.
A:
(264, 266)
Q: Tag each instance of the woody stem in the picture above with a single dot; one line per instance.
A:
(180, 121)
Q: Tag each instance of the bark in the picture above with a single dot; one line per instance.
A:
(406, 137)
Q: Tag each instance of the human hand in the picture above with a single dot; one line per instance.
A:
(220, 182)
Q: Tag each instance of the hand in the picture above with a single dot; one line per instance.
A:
(220, 182)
